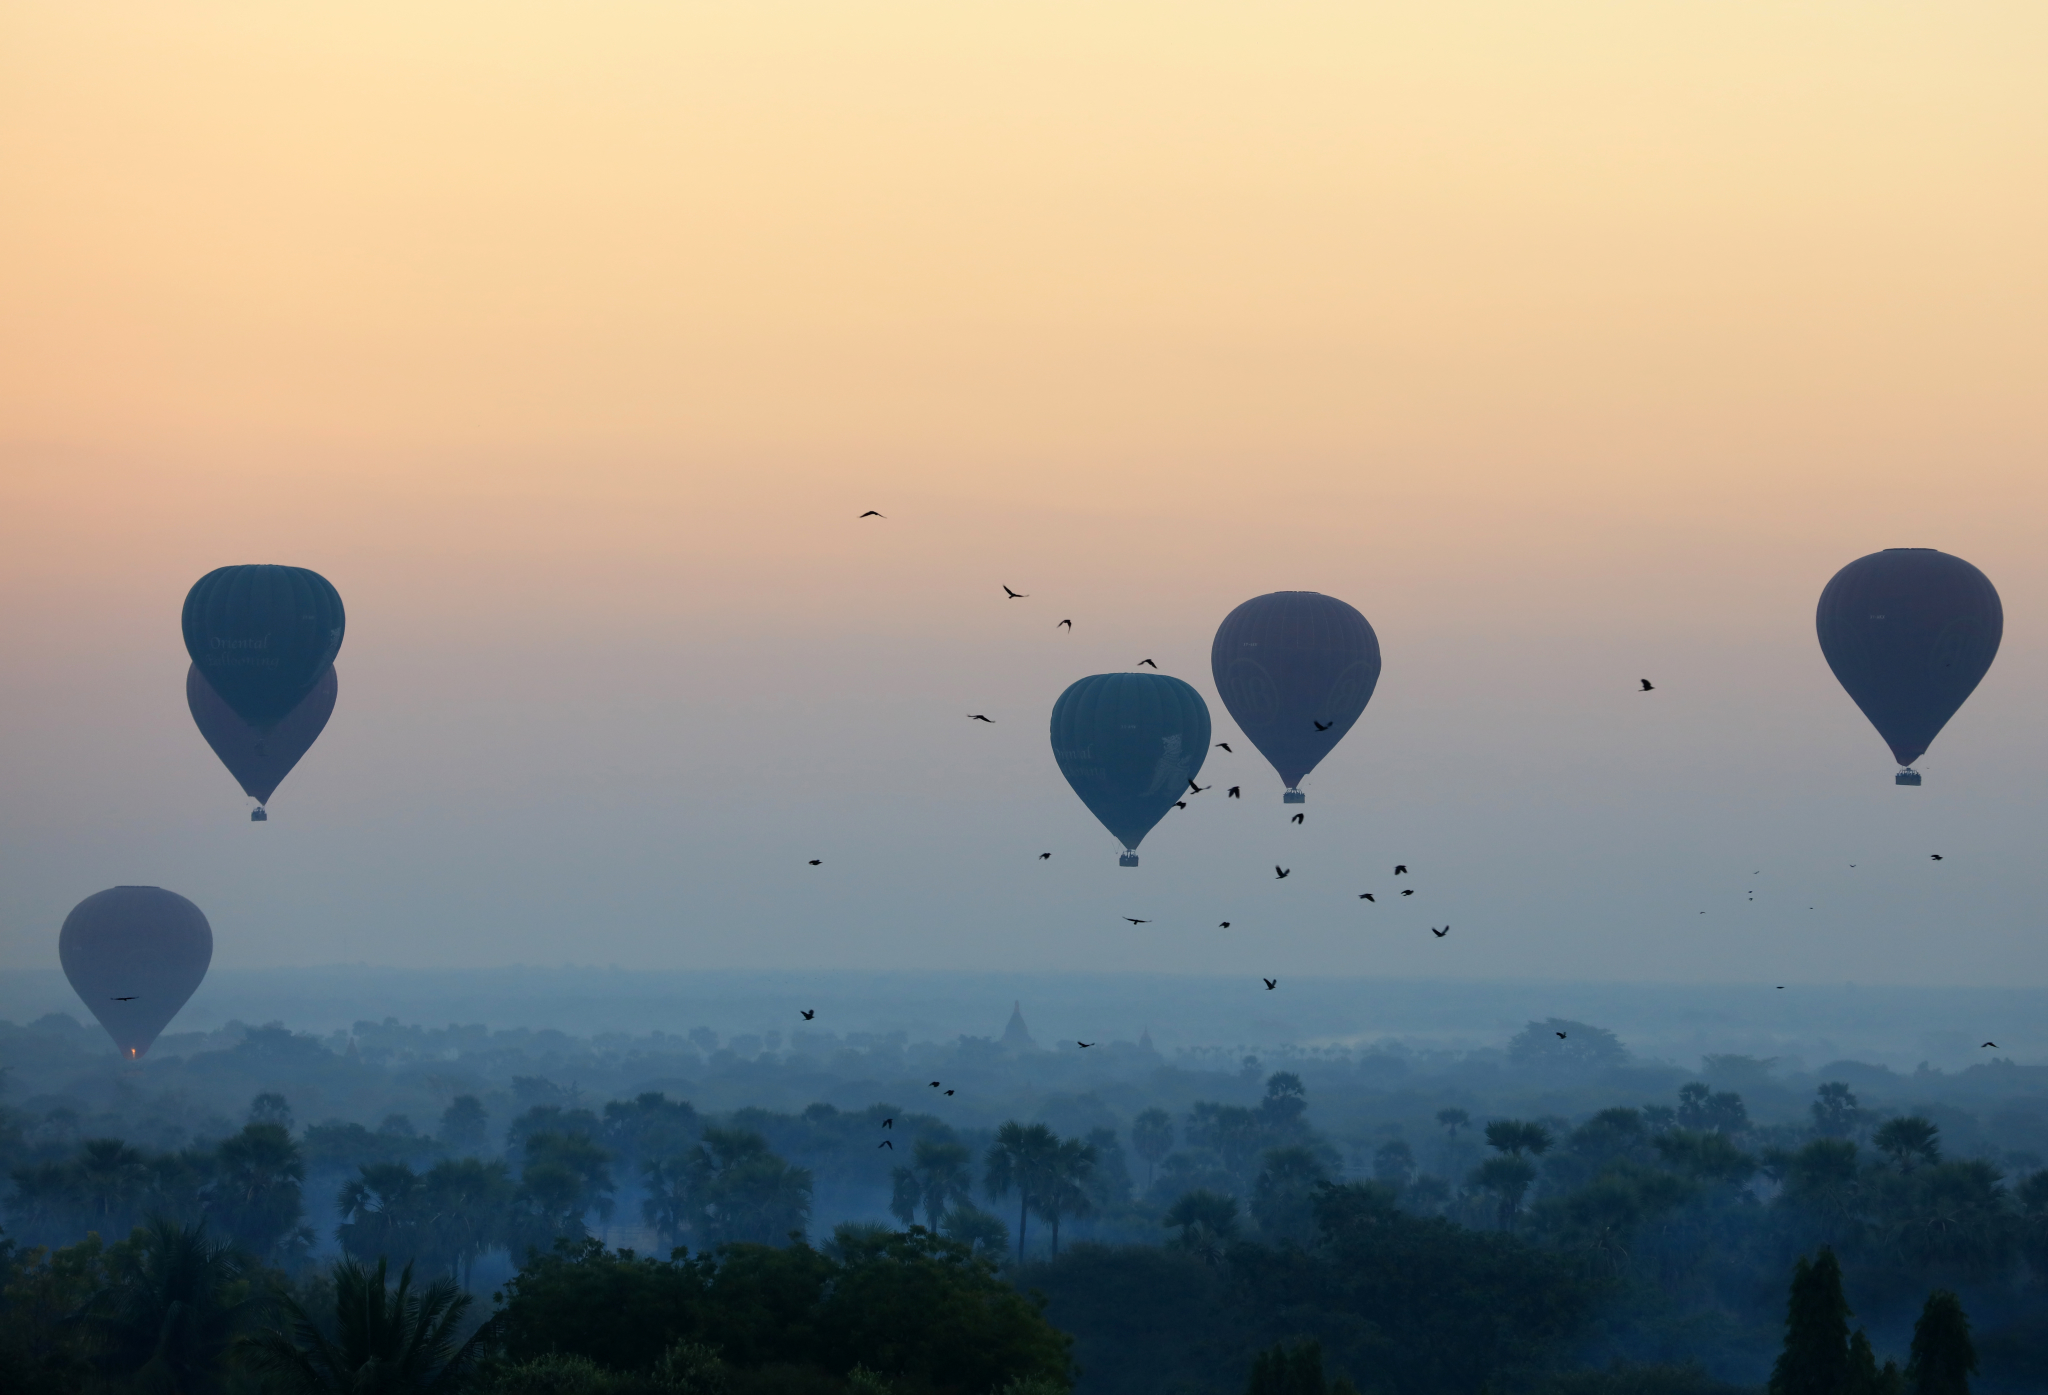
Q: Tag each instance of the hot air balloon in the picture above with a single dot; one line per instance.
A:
(1129, 743)
(1909, 632)
(134, 955)
(259, 760)
(263, 636)
(1295, 669)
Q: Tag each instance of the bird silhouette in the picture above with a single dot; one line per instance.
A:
(1410, 891)
(889, 1123)
(129, 999)
(1648, 686)
(1016, 595)
(1180, 804)
(1297, 818)
(885, 1143)
(872, 513)
(1560, 1036)
(1084, 1045)
(1147, 663)
(1222, 925)
(808, 1013)
(977, 717)
(1045, 857)
(816, 862)
(1781, 987)
(935, 1084)
(1323, 726)
(1235, 791)
(1067, 625)
(1439, 933)
(1400, 869)
(949, 1092)
(1935, 856)
(1135, 921)
(1992, 1044)
(1271, 983)
(1280, 873)
(1224, 746)
(1368, 896)
(1194, 788)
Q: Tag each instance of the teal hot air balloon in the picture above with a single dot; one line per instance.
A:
(263, 637)
(1129, 743)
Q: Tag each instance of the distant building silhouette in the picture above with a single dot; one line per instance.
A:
(1016, 1036)
(1145, 1042)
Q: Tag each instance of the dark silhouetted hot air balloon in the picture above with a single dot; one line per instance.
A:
(263, 636)
(259, 760)
(1295, 669)
(1129, 743)
(134, 954)
(1909, 632)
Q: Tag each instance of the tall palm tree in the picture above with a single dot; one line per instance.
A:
(1066, 1186)
(167, 1320)
(938, 1178)
(1023, 1158)
(1152, 1138)
(255, 1190)
(387, 1341)
(466, 1200)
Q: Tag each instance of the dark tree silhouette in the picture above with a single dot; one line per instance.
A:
(1943, 1358)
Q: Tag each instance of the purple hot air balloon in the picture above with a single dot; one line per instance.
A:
(259, 758)
(134, 955)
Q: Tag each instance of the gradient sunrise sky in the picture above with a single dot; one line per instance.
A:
(1572, 342)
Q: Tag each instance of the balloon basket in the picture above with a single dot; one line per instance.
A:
(1127, 860)
(258, 816)
(1294, 797)
(1906, 777)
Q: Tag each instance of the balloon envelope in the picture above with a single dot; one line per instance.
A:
(263, 636)
(1909, 632)
(259, 760)
(134, 955)
(1129, 743)
(1288, 662)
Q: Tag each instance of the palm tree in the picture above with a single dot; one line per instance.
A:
(255, 1191)
(1022, 1157)
(387, 1341)
(937, 1179)
(1207, 1222)
(1152, 1139)
(169, 1317)
(738, 1189)
(465, 1200)
(382, 1211)
(1066, 1186)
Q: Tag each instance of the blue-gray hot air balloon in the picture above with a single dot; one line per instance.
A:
(263, 636)
(1909, 632)
(1295, 669)
(1129, 743)
(134, 954)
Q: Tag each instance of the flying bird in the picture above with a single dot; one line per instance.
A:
(1180, 804)
(1224, 746)
(1016, 595)
(1271, 983)
(1409, 891)
(1297, 818)
(1935, 856)
(808, 1013)
(872, 513)
(1067, 625)
(1136, 921)
(1560, 1036)
(1147, 663)
(1222, 925)
(816, 862)
(1084, 1045)
(1323, 726)
(935, 1084)
(1400, 869)
(889, 1123)
(1045, 857)
(1234, 791)
(1368, 896)
(1992, 1044)
(1648, 686)
(1280, 873)
(949, 1092)
(1439, 933)
(886, 1143)
(1194, 788)
(977, 717)
(129, 999)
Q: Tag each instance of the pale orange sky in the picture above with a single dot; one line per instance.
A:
(570, 336)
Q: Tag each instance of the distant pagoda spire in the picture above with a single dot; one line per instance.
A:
(1017, 1036)
(1145, 1040)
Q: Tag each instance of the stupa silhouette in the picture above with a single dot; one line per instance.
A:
(1017, 1036)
